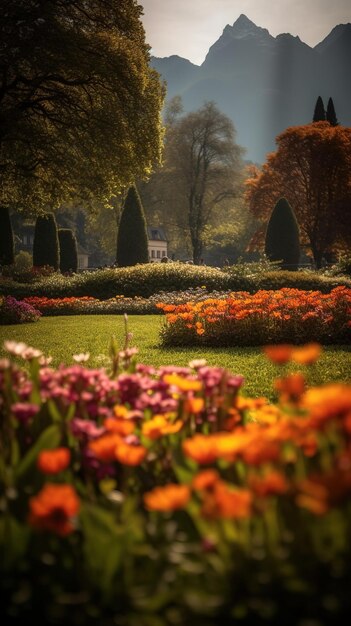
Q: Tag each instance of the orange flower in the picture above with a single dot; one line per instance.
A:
(279, 354)
(183, 384)
(104, 447)
(167, 498)
(201, 448)
(291, 387)
(120, 426)
(306, 355)
(53, 461)
(205, 480)
(328, 401)
(226, 502)
(53, 509)
(120, 411)
(130, 455)
(270, 484)
(194, 405)
(159, 426)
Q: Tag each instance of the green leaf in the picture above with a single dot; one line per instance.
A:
(49, 439)
(103, 546)
(13, 540)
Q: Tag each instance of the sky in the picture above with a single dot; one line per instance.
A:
(189, 27)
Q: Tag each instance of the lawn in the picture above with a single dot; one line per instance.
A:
(61, 337)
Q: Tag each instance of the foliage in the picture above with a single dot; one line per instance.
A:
(68, 250)
(152, 278)
(287, 315)
(7, 246)
(312, 169)
(13, 311)
(319, 112)
(343, 266)
(203, 160)
(46, 249)
(282, 236)
(132, 239)
(80, 108)
(190, 502)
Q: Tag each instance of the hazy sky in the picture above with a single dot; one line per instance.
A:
(189, 27)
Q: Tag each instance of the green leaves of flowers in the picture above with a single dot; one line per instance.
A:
(50, 438)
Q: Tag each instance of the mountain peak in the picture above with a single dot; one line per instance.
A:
(243, 22)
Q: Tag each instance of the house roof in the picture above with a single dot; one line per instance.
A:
(156, 233)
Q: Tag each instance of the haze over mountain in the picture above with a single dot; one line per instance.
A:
(264, 83)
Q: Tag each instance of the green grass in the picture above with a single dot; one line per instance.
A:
(61, 337)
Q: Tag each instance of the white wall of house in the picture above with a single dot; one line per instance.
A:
(83, 260)
(157, 249)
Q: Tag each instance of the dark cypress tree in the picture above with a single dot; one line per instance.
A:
(331, 115)
(282, 236)
(319, 112)
(68, 250)
(132, 240)
(46, 249)
(7, 246)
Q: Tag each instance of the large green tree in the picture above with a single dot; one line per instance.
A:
(203, 164)
(132, 240)
(79, 103)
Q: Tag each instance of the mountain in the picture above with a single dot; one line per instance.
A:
(264, 83)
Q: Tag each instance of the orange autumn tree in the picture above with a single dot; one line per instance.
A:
(312, 169)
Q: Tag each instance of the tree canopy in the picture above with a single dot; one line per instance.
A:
(79, 103)
(312, 169)
(203, 162)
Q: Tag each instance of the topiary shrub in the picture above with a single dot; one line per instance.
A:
(68, 250)
(132, 240)
(7, 248)
(282, 236)
(46, 250)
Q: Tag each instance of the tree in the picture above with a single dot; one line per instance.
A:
(79, 102)
(319, 112)
(282, 236)
(68, 250)
(331, 115)
(312, 169)
(46, 250)
(7, 246)
(132, 239)
(203, 162)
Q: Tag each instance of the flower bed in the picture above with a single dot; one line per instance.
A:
(13, 311)
(268, 316)
(135, 494)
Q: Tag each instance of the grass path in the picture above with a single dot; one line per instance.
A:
(61, 337)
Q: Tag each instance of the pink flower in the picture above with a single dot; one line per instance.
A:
(24, 411)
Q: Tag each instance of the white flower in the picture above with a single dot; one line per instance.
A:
(81, 358)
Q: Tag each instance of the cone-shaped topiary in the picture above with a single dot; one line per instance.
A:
(319, 111)
(46, 250)
(331, 115)
(282, 236)
(7, 246)
(68, 250)
(132, 240)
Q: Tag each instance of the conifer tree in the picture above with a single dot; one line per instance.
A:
(7, 247)
(282, 241)
(331, 115)
(132, 239)
(46, 250)
(68, 250)
(319, 112)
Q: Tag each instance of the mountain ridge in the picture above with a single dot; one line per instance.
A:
(264, 83)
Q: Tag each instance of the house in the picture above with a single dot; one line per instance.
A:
(25, 237)
(158, 244)
(83, 258)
